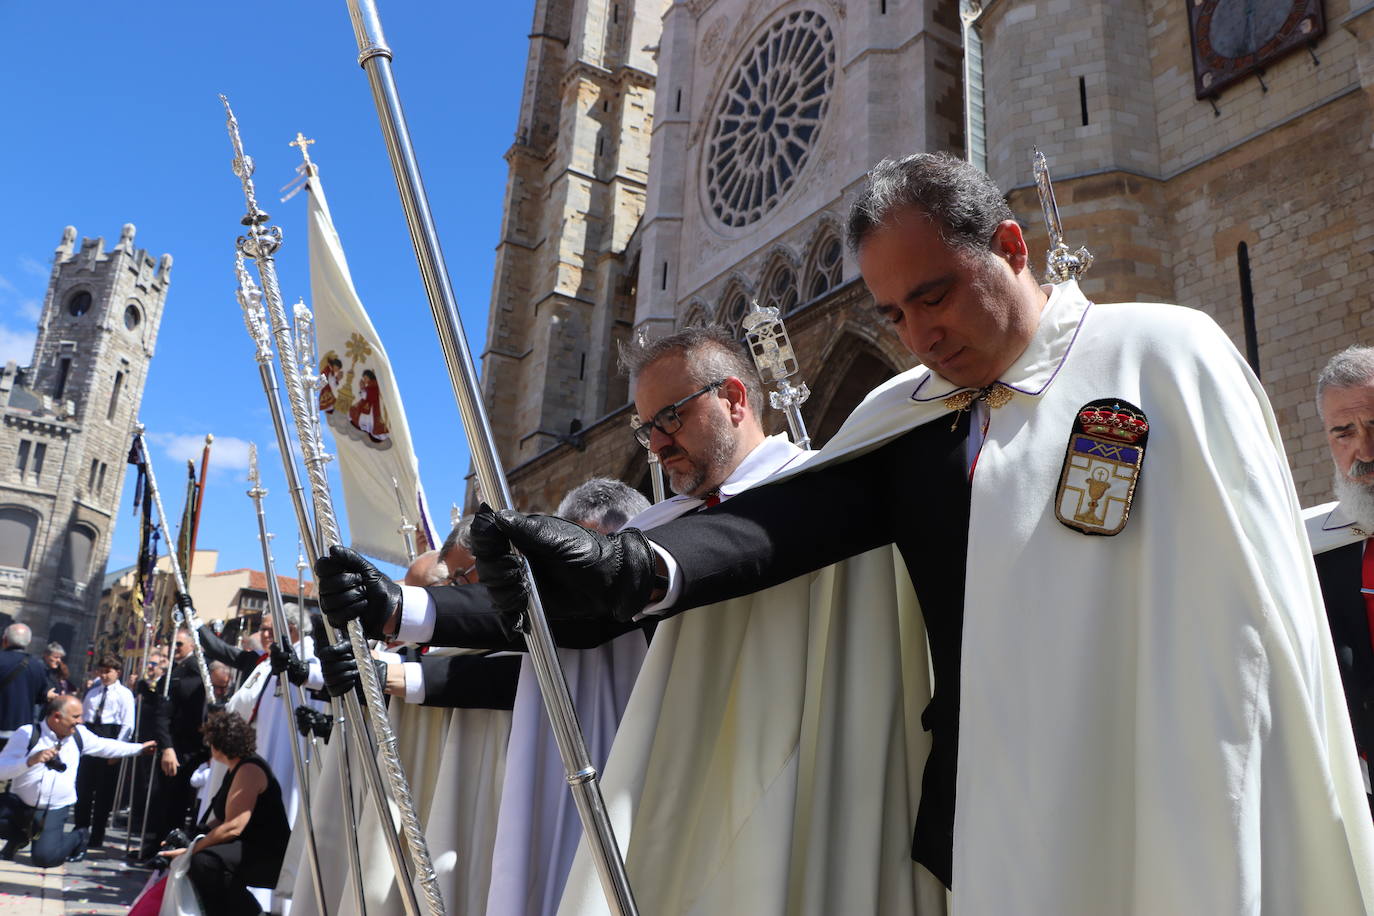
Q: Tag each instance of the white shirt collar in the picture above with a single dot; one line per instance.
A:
(775, 453)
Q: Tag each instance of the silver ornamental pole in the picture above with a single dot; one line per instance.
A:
(375, 58)
(656, 476)
(1060, 263)
(255, 319)
(771, 348)
(260, 243)
(189, 618)
(301, 566)
(166, 692)
(256, 493)
(407, 530)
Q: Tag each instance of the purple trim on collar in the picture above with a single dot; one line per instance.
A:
(1036, 393)
(1349, 524)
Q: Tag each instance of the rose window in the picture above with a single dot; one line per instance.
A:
(769, 117)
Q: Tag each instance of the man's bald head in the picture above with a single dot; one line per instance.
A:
(427, 569)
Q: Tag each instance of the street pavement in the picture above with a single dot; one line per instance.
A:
(102, 883)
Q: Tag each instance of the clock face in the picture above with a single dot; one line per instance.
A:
(1234, 38)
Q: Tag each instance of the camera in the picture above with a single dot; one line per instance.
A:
(56, 764)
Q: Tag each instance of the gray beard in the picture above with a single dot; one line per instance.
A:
(690, 480)
(1356, 499)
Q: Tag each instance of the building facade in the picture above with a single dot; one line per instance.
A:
(68, 421)
(1221, 168)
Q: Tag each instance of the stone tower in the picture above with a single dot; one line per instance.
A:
(564, 286)
(68, 419)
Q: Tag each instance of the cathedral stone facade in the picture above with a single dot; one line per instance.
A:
(677, 160)
(68, 422)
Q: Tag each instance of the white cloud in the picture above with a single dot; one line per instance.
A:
(30, 266)
(31, 309)
(16, 345)
(6, 286)
(226, 453)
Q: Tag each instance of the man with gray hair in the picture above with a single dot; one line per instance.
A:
(1340, 532)
(23, 683)
(1133, 685)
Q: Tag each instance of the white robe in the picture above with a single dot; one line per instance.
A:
(453, 760)
(539, 828)
(1149, 723)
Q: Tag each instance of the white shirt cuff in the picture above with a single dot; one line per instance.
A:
(674, 586)
(417, 615)
(415, 682)
(314, 680)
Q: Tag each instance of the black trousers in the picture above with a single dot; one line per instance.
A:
(95, 791)
(171, 803)
(222, 875)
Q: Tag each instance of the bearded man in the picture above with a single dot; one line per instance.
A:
(1340, 532)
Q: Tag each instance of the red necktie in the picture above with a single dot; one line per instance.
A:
(712, 500)
(1367, 583)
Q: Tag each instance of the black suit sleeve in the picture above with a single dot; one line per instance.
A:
(466, 617)
(470, 681)
(217, 650)
(771, 534)
(160, 708)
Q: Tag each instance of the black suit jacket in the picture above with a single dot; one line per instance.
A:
(913, 491)
(178, 715)
(467, 617)
(470, 681)
(1339, 573)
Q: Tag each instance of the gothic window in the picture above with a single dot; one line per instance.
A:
(823, 272)
(132, 316)
(76, 562)
(22, 464)
(769, 117)
(780, 287)
(64, 369)
(100, 480)
(17, 527)
(114, 395)
(40, 451)
(733, 312)
(90, 478)
(695, 318)
(78, 303)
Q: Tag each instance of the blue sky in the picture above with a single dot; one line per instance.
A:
(112, 117)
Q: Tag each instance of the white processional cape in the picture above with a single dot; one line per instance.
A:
(539, 828)
(1149, 723)
(454, 760)
(361, 402)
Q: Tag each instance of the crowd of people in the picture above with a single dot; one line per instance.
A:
(1040, 629)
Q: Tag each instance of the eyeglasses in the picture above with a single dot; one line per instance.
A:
(667, 420)
(180, 644)
(462, 576)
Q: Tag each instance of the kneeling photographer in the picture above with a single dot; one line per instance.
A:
(41, 760)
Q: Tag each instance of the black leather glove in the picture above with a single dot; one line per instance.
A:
(305, 720)
(350, 588)
(246, 661)
(286, 661)
(324, 725)
(580, 573)
(340, 669)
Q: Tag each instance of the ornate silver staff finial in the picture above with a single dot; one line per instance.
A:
(768, 343)
(260, 241)
(254, 315)
(1060, 263)
(407, 529)
(256, 491)
(302, 142)
(303, 335)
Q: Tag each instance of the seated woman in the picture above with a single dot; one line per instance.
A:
(247, 826)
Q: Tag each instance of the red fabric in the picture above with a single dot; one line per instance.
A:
(150, 901)
(712, 500)
(1367, 581)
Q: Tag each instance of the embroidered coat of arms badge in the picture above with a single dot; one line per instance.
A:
(1102, 467)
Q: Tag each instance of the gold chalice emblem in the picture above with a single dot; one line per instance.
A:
(1098, 484)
